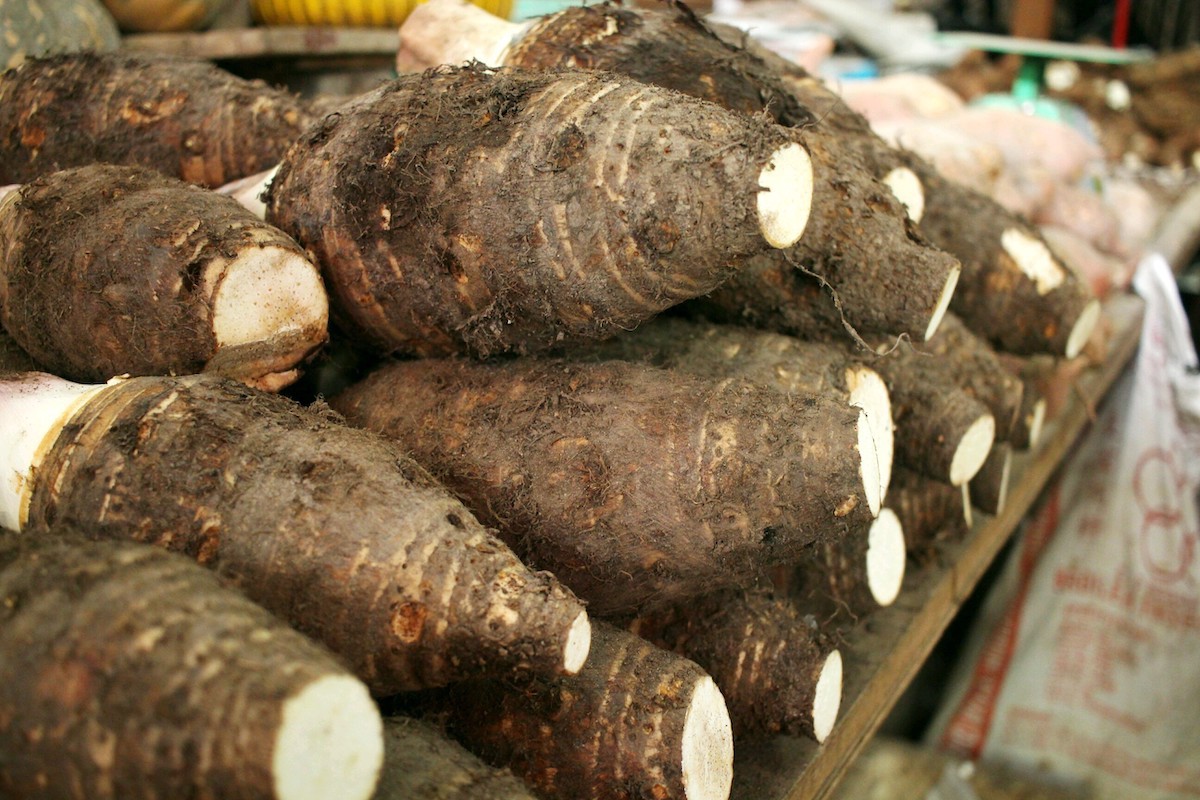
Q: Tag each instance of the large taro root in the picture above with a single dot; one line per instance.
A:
(333, 529)
(187, 119)
(860, 261)
(636, 486)
(479, 211)
(129, 672)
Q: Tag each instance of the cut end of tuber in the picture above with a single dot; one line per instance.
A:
(578, 644)
(907, 188)
(868, 457)
(827, 701)
(249, 191)
(885, 557)
(1036, 421)
(707, 756)
(785, 199)
(1005, 472)
(330, 742)
(1083, 328)
(943, 303)
(269, 312)
(1033, 258)
(972, 450)
(34, 407)
(869, 393)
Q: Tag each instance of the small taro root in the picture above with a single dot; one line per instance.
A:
(333, 529)
(488, 211)
(636, 486)
(155, 277)
(636, 722)
(120, 663)
(778, 674)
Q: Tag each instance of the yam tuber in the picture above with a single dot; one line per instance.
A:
(941, 430)
(636, 486)
(636, 722)
(854, 218)
(187, 119)
(796, 367)
(929, 510)
(853, 576)
(157, 277)
(333, 529)
(1012, 290)
(12, 357)
(422, 763)
(128, 672)
(776, 671)
(989, 487)
(470, 210)
(978, 371)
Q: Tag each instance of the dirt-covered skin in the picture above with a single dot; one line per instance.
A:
(789, 364)
(831, 582)
(109, 270)
(12, 357)
(670, 48)
(480, 211)
(989, 487)
(995, 297)
(931, 411)
(635, 486)
(615, 731)
(187, 119)
(763, 653)
(928, 509)
(333, 529)
(119, 663)
(422, 763)
(886, 276)
(978, 372)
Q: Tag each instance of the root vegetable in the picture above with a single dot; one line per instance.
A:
(928, 510)
(489, 211)
(636, 486)
(854, 576)
(940, 429)
(979, 372)
(989, 487)
(1012, 291)
(776, 671)
(189, 120)
(796, 367)
(636, 722)
(156, 277)
(854, 217)
(422, 763)
(333, 529)
(12, 357)
(119, 664)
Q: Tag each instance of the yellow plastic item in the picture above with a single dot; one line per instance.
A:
(353, 13)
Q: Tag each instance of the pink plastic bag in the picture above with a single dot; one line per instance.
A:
(1086, 658)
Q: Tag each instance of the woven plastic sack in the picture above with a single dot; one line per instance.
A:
(1086, 657)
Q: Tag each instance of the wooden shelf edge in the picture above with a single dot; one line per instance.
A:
(884, 654)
